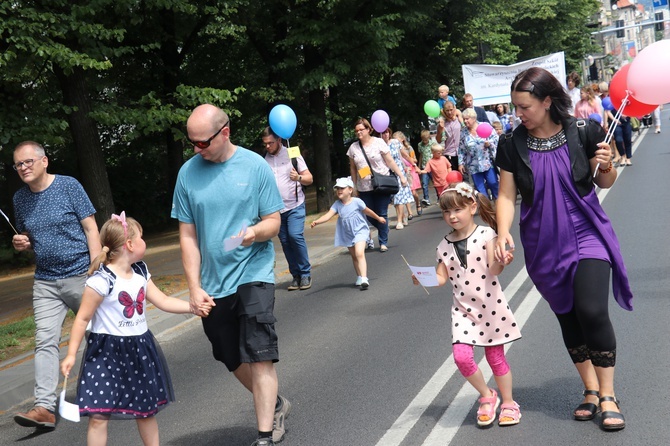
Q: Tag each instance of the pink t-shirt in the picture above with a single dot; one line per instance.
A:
(583, 109)
(375, 151)
(439, 169)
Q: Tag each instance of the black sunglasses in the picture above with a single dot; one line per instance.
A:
(204, 144)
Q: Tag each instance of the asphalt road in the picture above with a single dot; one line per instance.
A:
(374, 367)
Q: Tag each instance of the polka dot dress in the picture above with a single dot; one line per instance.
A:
(123, 377)
(480, 314)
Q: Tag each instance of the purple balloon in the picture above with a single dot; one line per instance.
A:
(596, 117)
(380, 120)
(607, 104)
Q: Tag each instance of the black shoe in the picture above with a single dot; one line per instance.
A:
(295, 285)
(305, 282)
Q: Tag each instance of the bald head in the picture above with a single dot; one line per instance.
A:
(207, 117)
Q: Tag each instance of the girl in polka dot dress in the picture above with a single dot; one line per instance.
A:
(480, 314)
(123, 372)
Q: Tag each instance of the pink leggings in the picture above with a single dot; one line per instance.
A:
(464, 356)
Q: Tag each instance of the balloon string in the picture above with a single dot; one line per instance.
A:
(610, 131)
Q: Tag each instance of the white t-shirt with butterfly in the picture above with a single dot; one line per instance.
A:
(123, 309)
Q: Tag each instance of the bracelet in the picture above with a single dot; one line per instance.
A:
(606, 170)
(299, 178)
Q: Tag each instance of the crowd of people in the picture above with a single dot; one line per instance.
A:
(533, 152)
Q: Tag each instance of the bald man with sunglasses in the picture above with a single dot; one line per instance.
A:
(226, 193)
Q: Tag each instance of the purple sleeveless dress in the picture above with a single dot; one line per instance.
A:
(562, 228)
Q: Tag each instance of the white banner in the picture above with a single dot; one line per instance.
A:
(490, 84)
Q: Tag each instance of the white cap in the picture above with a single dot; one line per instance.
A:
(344, 182)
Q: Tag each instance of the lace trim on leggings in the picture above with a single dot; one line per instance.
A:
(603, 359)
(579, 354)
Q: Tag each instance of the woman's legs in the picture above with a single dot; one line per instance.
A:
(618, 137)
(588, 333)
(379, 204)
(491, 177)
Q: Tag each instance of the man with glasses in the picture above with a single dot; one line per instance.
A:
(54, 217)
(227, 192)
(291, 175)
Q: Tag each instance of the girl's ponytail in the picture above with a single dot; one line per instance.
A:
(101, 258)
(486, 210)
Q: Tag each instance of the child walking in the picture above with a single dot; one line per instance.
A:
(480, 315)
(439, 167)
(352, 228)
(123, 373)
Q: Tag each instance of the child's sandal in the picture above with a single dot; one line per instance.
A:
(510, 414)
(486, 417)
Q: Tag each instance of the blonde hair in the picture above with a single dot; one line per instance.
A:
(436, 147)
(113, 237)
(425, 132)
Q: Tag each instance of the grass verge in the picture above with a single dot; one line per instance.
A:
(18, 336)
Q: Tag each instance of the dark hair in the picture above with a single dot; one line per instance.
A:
(541, 83)
(267, 131)
(451, 199)
(574, 77)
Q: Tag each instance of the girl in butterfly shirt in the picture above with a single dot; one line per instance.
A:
(123, 373)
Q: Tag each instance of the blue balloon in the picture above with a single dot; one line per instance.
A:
(607, 104)
(596, 117)
(283, 121)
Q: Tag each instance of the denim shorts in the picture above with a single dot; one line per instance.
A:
(241, 327)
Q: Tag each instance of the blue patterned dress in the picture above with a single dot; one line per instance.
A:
(404, 195)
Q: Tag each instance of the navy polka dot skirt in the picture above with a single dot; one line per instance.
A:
(123, 377)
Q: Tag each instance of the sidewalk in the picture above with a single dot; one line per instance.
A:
(17, 374)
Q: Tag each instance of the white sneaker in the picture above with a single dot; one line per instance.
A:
(359, 281)
(364, 283)
(399, 226)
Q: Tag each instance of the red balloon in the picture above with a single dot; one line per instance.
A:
(618, 87)
(454, 177)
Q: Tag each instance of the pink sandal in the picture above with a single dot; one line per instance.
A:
(510, 414)
(489, 414)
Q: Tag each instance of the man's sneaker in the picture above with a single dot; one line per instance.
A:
(425, 202)
(305, 282)
(364, 283)
(295, 285)
(371, 244)
(263, 442)
(38, 417)
(279, 429)
(359, 281)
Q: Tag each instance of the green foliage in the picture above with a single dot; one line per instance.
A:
(149, 63)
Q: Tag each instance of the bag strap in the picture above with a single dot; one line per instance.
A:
(372, 172)
(294, 163)
(581, 129)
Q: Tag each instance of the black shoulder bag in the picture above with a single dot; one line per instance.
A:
(381, 184)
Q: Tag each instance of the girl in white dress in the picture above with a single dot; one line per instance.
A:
(123, 373)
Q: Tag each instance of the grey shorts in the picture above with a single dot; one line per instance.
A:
(241, 327)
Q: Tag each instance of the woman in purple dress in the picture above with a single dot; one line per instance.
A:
(553, 160)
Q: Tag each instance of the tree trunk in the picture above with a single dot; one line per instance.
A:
(171, 61)
(90, 159)
(322, 168)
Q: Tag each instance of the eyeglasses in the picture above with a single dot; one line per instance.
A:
(204, 144)
(360, 130)
(27, 164)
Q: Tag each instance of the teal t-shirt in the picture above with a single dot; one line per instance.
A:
(220, 199)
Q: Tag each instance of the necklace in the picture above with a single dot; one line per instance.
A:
(544, 144)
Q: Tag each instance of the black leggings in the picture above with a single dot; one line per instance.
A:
(587, 329)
